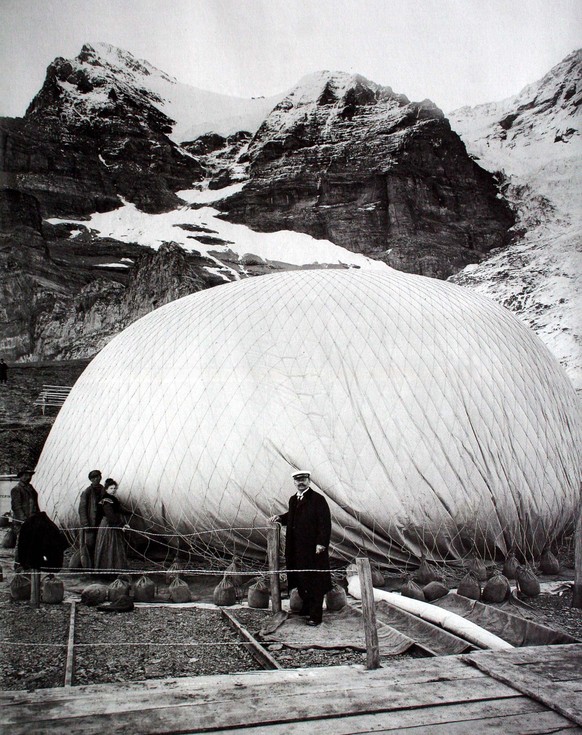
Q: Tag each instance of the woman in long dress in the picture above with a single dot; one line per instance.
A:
(110, 547)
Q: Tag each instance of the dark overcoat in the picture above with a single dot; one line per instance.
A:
(41, 544)
(308, 524)
(24, 501)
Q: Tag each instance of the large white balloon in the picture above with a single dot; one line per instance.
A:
(430, 417)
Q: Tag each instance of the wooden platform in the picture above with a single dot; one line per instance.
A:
(528, 690)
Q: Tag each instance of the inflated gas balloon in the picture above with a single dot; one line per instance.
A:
(432, 420)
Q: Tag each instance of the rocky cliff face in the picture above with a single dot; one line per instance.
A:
(90, 137)
(345, 159)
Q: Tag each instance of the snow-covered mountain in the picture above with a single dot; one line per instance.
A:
(534, 140)
(101, 68)
(125, 189)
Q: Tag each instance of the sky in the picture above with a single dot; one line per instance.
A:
(454, 52)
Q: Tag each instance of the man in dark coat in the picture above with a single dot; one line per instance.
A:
(24, 503)
(308, 522)
(91, 515)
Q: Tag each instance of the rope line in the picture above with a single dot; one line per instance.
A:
(129, 645)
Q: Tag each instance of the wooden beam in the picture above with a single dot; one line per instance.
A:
(273, 542)
(369, 613)
(260, 654)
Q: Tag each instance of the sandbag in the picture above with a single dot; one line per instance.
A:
(496, 589)
(144, 590)
(9, 540)
(224, 593)
(179, 591)
(426, 573)
(175, 570)
(295, 600)
(75, 560)
(478, 568)
(258, 595)
(80, 558)
(233, 575)
(85, 557)
(52, 590)
(510, 565)
(413, 590)
(121, 587)
(527, 582)
(94, 594)
(20, 587)
(377, 577)
(336, 598)
(549, 563)
(470, 587)
(435, 590)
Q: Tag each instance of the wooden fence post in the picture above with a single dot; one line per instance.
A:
(577, 593)
(273, 541)
(369, 613)
(35, 588)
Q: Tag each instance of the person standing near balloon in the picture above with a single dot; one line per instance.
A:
(308, 523)
(90, 516)
(110, 548)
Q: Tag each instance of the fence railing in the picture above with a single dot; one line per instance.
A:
(52, 395)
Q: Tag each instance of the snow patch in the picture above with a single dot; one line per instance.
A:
(185, 224)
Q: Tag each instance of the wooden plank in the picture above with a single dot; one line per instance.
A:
(248, 709)
(405, 673)
(542, 723)
(557, 697)
(535, 654)
(260, 654)
(177, 691)
(354, 675)
(517, 716)
(70, 663)
(556, 670)
(369, 613)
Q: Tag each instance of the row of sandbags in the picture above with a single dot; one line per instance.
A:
(52, 589)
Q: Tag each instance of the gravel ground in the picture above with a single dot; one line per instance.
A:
(556, 612)
(34, 644)
(181, 642)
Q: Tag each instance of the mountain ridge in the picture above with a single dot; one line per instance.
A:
(337, 160)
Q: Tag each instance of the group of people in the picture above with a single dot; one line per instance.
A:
(103, 523)
(101, 516)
